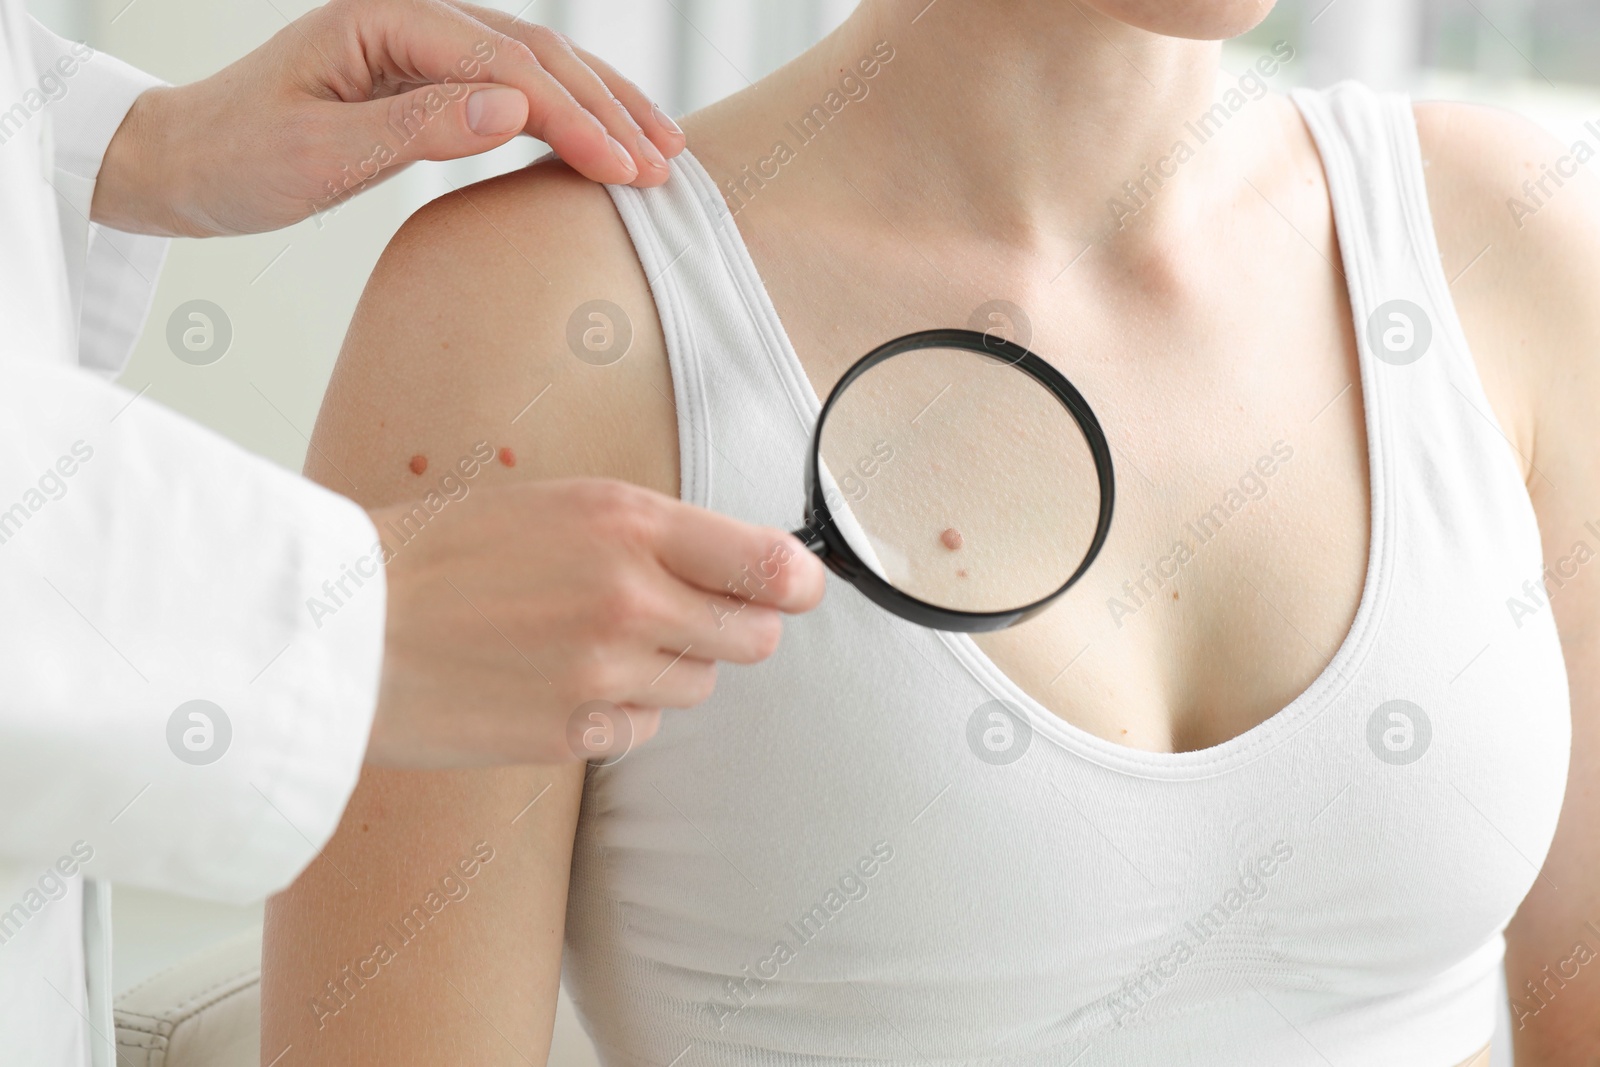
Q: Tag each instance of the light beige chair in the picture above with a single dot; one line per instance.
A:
(202, 1012)
(205, 1011)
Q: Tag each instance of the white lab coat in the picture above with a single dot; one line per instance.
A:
(144, 563)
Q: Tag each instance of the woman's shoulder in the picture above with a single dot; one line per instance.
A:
(513, 311)
(1517, 215)
(1499, 180)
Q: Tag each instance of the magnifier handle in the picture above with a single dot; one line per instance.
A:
(812, 540)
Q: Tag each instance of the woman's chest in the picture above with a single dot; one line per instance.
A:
(1239, 547)
(874, 812)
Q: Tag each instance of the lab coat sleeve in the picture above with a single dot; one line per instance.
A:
(111, 275)
(147, 564)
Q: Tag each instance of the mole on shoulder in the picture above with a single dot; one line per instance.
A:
(951, 538)
(419, 464)
(508, 458)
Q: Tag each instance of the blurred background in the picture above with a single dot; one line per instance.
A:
(289, 295)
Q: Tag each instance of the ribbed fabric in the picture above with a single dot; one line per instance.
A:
(815, 868)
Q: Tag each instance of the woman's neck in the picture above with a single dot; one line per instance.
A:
(1013, 118)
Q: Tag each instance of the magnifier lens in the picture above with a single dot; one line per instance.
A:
(960, 480)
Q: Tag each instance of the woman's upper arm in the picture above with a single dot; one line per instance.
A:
(429, 930)
(1530, 310)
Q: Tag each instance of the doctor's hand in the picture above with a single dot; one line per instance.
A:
(509, 617)
(352, 91)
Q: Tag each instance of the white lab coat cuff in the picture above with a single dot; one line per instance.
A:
(111, 274)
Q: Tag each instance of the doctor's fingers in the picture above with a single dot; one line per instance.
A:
(672, 680)
(624, 109)
(637, 678)
(714, 626)
(723, 556)
(393, 46)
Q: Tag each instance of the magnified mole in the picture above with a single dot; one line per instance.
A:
(419, 464)
(508, 458)
(951, 538)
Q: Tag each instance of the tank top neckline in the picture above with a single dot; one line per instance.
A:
(1360, 275)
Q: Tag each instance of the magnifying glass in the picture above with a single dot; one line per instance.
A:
(957, 480)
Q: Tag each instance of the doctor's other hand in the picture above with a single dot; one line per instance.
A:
(509, 616)
(352, 91)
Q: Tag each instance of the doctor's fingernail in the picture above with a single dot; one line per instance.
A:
(663, 121)
(495, 111)
(624, 158)
(651, 153)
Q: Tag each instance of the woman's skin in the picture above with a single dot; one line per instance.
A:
(1212, 324)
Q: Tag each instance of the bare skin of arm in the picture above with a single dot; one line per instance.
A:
(462, 326)
(1528, 306)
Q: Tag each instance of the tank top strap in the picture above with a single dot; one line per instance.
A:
(1405, 316)
(1447, 483)
(1369, 150)
(671, 240)
(730, 358)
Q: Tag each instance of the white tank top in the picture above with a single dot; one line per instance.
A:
(875, 848)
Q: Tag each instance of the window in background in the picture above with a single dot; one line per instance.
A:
(69, 18)
(1554, 39)
(1392, 43)
(688, 53)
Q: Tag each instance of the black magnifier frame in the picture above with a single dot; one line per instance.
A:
(821, 534)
